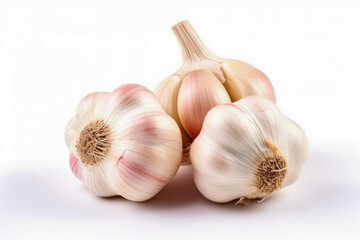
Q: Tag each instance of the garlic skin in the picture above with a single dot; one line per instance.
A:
(123, 143)
(204, 81)
(199, 92)
(247, 150)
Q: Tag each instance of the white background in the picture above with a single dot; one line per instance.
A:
(52, 53)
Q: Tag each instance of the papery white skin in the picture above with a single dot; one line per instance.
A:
(146, 145)
(232, 142)
(204, 81)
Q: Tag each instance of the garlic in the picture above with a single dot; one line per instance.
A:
(204, 81)
(123, 143)
(247, 150)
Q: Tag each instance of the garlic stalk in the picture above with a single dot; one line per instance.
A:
(204, 81)
(247, 150)
(123, 143)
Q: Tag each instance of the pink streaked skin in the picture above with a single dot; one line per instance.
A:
(131, 96)
(129, 169)
(125, 94)
(74, 165)
(147, 123)
(247, 80)
(200, 91)
(130, 92)
(146, 118)
(266, 81)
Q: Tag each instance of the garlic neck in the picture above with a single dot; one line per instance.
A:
(195, 53)
(192, 47)
(94, 142)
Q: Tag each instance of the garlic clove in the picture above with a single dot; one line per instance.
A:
(199, 92)
(146, 167)
(96, 178)
(68, 136)
(298, 148)
(135, 171)
(244, 80)
(246, 150)
(167, 93)
(90, 106)
(120, 142)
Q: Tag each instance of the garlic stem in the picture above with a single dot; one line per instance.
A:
(192, 48)
(195, 54)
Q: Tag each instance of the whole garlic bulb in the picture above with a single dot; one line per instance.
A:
(204, 81)
(246, 150)
(123, 143)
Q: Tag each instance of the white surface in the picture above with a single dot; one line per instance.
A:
(52, 53)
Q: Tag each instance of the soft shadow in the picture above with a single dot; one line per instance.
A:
(324, 182)
(44, 192)
(179, 192)
(57, 193)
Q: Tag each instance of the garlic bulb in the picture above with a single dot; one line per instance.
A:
(123, 143)
(204, 81)
(246, 150)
